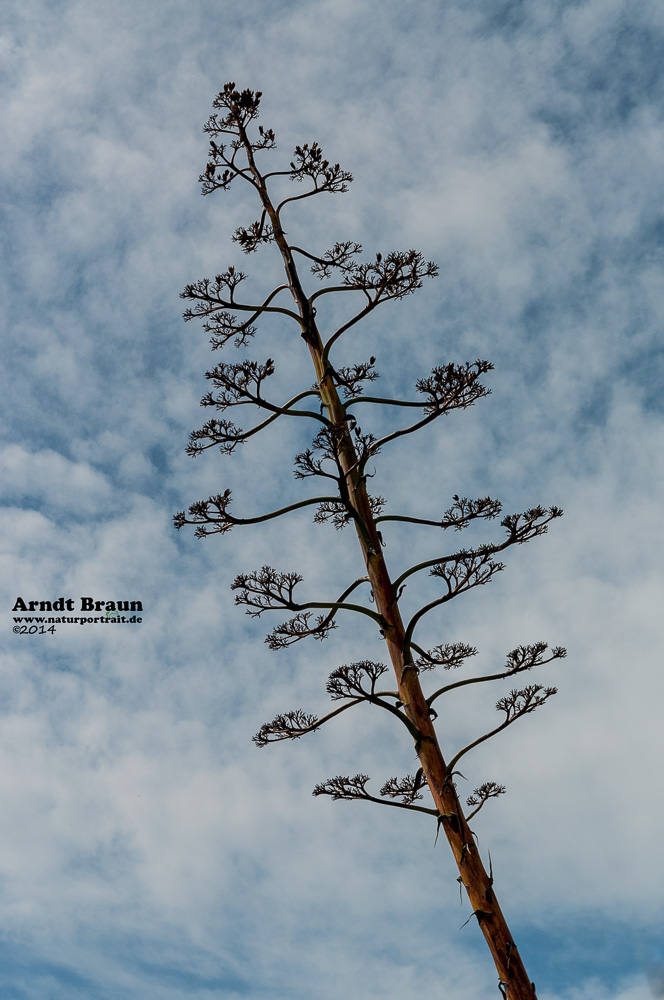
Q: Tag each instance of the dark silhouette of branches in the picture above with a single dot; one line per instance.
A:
(340, 514)
(300, 626)
(238, 384)
(326, 447)
(268, 590)
(265, 589)
(213, 515)
(520, 659)
(344, 788)
(339, 453)
(348, 684)
(340, 257)
(400, 273)
(250, 239)
(486, 791)
(452, 654)
(463, 511)
(350, 378)
(355, 788)
(515, 705)
(347, 681)
(407, 789)
(290, 726)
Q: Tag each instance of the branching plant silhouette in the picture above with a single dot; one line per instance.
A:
(339, 454)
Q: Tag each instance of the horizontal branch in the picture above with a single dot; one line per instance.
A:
(343, 606)
(384, 401)
(268, 590)
(298, 627)
(344, 683)
(354, 788)
(535, 523)
(208, 296)
(223, 520)
(225, 435)
(449, 387)
(458, 516)
(293, 725)
(338, 257)
(450, 655)
(518, 660)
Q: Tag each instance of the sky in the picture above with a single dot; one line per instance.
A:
(147, 847)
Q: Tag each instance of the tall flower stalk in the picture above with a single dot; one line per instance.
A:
(339, 454)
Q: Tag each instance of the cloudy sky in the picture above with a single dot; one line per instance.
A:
(147, 848)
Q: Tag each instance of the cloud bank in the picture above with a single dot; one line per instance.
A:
(146, 846)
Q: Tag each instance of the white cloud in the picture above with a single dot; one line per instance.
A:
(51, 480)
(146, 844)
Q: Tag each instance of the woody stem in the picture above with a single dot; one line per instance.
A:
(478, 884)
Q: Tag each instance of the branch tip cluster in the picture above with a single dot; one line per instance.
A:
(451, 655)
(452, 386)
(289, 726)
(407, 789)
(481, 795)
(347, 681)
(463, 511)
(518, 703)
(309, 162)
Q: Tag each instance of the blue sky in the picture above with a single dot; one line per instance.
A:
(147, 848)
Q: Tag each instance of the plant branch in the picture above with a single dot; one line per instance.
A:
(207, 294)
(292, 725)
(354, 788)
(515, 705)
(461, 572)
(223, 520)
(481, 795)
(458, 516)
(340, 452)
(520, 659)
(450, 655)
(520, 528)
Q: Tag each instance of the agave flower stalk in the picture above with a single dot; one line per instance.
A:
(339, 454)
